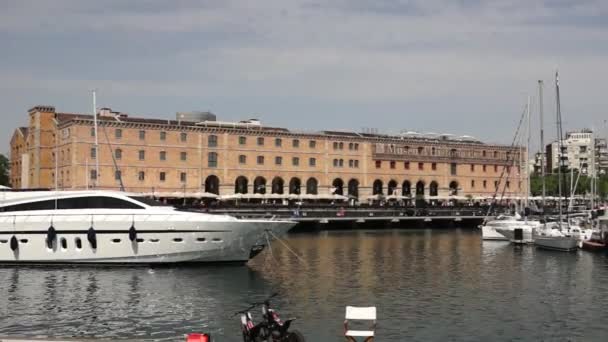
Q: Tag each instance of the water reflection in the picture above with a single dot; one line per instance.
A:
(428, 285)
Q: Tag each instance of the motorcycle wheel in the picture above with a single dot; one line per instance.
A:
(295, 336)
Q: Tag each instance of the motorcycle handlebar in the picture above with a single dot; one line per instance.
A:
(254, 304)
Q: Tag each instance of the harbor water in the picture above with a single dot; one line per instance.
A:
(428, 285)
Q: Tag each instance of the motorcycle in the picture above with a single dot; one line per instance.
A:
(270, 329)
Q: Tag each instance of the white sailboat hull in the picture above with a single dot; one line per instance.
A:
(559, 243)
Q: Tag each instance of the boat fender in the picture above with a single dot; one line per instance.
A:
(51, 235)
(14, 243)
(132, 233)
(92, 237)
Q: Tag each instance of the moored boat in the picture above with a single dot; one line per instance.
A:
(117, 228)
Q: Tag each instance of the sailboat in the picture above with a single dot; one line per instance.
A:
(552, 236)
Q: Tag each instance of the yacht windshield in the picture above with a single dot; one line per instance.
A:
(149, 201)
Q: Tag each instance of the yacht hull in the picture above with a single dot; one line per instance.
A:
(509, 233)
(490, 234)
(158, 239)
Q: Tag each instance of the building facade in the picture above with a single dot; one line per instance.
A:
(155, 155)
(581, 151)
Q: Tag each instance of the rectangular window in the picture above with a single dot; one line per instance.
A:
(118, 133)
(472, 167)
(142, 135)
(406, 165)
(92, 131)
(434, 166)
(393, 164)
(260, 141)
(508, 184)
(295, 143)
(183, 156)
(212, 141)
(312, 144)
(93, 174)
(356, 163)
(483, 168)
(278, 160)
(485, 183)
(182, 177)
(183, 136)
(141, 175)
(472, 184)
(118, 154)
(335, 162)
(278, 142)
(242, 159)
(93, 153)
(453, 169)
(162, 176)
(117, 175)
(242, 140)
(142, 155)
(260, 160)
(420, 166)
(163, 155)
(312, 162)
(212, 159)
(351, 163)
(295, 161)
(378, 164)
(496, 185)
(495, 168)
(163, 135)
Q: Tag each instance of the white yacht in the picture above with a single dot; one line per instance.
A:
(503, 226)
(118, 228)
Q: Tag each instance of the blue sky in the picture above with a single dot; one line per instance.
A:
(461, 67)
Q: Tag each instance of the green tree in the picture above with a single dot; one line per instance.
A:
(4, 169)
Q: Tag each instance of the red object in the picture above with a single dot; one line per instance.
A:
(593, 245)
(194, 337)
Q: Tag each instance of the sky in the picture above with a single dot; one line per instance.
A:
(463, 67)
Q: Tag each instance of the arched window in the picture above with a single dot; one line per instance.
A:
(433, 189)
(420, 188)
(391, 187)
(212, 185)
(277, 185)
(406, 189)
(353, 188)
(377, 187)
(294, 186)
(420, 150)
(338, 185)
(240, 185)
(454, 188)
(311, 186)
(259, 185)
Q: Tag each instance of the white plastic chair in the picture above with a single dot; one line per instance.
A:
(360, 314)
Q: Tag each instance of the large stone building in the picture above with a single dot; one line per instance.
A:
(204, 155)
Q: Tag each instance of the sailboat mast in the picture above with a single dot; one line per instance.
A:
(559, 143)
(528, 158)
(96, 139)
(542, 139)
